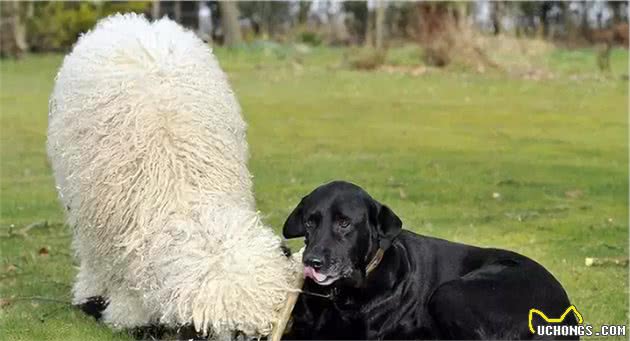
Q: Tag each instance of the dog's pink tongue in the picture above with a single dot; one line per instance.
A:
(312, 273)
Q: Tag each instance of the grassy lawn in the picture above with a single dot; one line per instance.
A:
(540, 167)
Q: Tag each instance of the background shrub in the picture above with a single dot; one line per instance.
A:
(55, 26)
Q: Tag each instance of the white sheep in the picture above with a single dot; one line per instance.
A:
(149, 154)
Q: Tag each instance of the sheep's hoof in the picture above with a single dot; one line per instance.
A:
(188, 332)
(93, 306)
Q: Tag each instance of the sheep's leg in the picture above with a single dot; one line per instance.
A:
(126, 309)
(119, 307)
(86, 285)
(89, 293)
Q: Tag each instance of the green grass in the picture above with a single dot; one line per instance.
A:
(583, 61)
(434, 148)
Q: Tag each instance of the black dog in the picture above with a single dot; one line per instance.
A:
(369, 279)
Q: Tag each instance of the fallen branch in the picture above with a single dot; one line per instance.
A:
(23, 232)
(34, 298)
(593, 261)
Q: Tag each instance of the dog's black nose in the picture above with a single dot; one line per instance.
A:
(314, 262)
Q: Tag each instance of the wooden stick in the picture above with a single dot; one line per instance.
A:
(285, 315)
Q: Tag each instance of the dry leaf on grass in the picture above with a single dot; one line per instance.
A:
(4, 302)
(573, 194)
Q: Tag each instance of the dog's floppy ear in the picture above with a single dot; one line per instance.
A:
(294, 226)
(389, 226)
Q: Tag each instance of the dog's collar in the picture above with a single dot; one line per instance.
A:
(376, 260)
(383, 244)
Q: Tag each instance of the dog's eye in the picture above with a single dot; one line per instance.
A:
(343, 222)
(309, 224)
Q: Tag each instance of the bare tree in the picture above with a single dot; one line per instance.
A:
(436, 31)
(177, 9)
(379, 24)
(570, 26)
(271, 18)
(585, 30)
(369, 23)
(155, 9)
(305, 6)
(229, 21)
(13, 30)
(617, 9)
(545, 19)
(496, 15)
(358, 25)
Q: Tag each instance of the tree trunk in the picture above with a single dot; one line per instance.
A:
(30, 10)
(12, 30)
(305, 6)
(369, 31)
(545, 9)
(155, 9)
(569, 26)
(462, 13)
(177, 9)
(435, 21)
(265, 20)
(584, 26)
(436, 32)
(515, 14)
(496, 17)
(229, 21)
(615, 7)
(380, 24)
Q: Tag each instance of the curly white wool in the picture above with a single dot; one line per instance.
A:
(149, 154)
